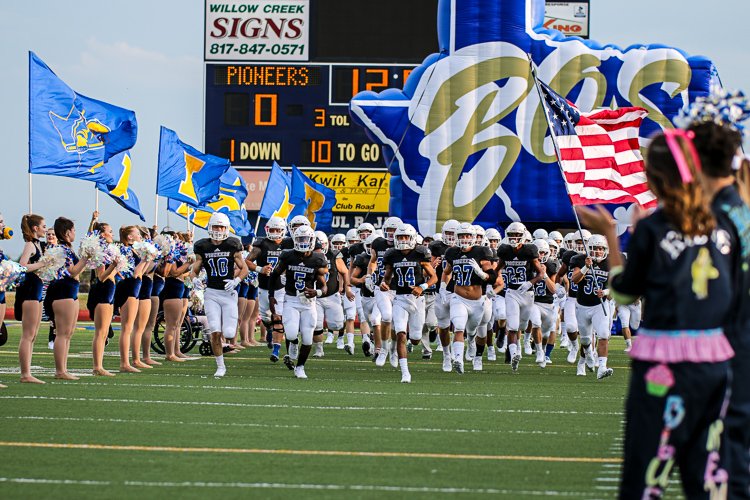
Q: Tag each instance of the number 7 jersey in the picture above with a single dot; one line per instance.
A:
(218, 260)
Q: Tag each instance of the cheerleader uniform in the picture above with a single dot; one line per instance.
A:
(158, 285)
(2, 293)
(63, 286)
(128, 286)
(680, 370)
(32, 286)
(174, 288)
(102, 292)
(147, 285)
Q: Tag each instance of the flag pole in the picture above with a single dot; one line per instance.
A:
(156, 212)
(30, 194)
(257, 223)
(96, 202)
(562, 172)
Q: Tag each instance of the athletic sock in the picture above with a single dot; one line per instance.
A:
(458, 350)
(512, 349)
(480, 351)
(628, 342)
(602, 362)
(350, 338)
(277, 348)
(220, 361)
(549, 349)
(341, 333)
(402, 362)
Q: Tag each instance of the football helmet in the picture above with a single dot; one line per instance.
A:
(364, 230)
(543, 247)
(437, 237)
(449, 232)
(554, 248)
(493, 237)
(321, 237)
(420, 239)
(540, 234)
(599, 247)
(338, 241)
(368, 242)
(581, 244)
(557, 236)
(515, 233)
(479, 235)
(465, 236)
(352, 237)
(527, 237)
(569, 241)
(218, 226)
(304, 239)
(405, 237)
(297, 221)
(390, 226)
(275, 228)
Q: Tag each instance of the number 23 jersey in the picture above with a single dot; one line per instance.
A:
(218, 260)
(519, 264)
(301, 269)
(407, 268)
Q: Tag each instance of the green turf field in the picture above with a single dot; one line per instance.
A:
(350, 431)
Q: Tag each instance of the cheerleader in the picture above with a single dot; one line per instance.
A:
(100, 302)
(144, 310)
(62, 296)
(171, 298)
(2, 292)
(126, 294)
(187, 242)
(28, 306)
(156, 289)
(51, 240)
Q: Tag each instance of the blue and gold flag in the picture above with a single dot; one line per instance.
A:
(72, 135)
(118, 167)
(185, 174)
(313, 200)
(276, 199)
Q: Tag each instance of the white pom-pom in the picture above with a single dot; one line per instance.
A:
(145, 250)
(11, 273)
(52, 260)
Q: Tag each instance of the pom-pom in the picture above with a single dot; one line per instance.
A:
(164, 244)
(721, 106)
(52, 260)
(145, 250)
(92, 247)
(196, 299)
(11, 274)
(123, 263)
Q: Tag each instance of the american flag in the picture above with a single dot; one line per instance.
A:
(599, 152)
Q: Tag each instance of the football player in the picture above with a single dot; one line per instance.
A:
(221, 257)
(497, 294)
(543, 313)
(593, 311)
(384, 299)
(348, 300)
(470, 268)
(408, 272)
(521, 262)
(442, 301)
(363, 231)
(369, 312)
(569, 326)
(263, 259)
(329, 304)
(305, 281)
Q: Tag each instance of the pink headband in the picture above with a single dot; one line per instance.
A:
(671, 136)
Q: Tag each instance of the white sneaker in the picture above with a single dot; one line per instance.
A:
(581, 369)
(51, 346)
(471, 351)
(539, 357)
(447, 365)
(627, 348)
(406, 378)
(547, 360)
(604, 373)
(564, 342)
(572, 355)
(458, 366)
(340, 342)
(329, 338)
(590, 360)
(515, 360)
(491, 356)
(299, 372)
(293, 351)
(349, 348)
(527, 348)
(380, 360)
(220, 371)
(426, 353)
(319, 353)
(543, 364)
(477, 364)
(439, 348)
(394, 359)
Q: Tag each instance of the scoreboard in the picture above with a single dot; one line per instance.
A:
(279, 76)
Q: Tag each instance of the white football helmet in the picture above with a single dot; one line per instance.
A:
(338, 241)
(275, 228)
(479, 234)
(493, 237)
(543, 247)
(569, 241)
(527, 237)
(420, 239)
(581, 244)
(321, 237)
(554, 248)
(515, 233)
(405, 237)
(352, 237)
(304, 239)
(557, 236)
(437, 237)
(364, 230)
(599, 247)
(540, 234)
(297, 221)
(390, 226)
(218, 226)
(465, 236)
(368, 242)
(449, 232)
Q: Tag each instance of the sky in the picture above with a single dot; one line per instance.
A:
(147, 56)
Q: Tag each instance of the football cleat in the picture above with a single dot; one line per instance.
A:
(572, 355)
(581, 370)
(458, 366)
(590, 360)
(299, 372)
(340, 343)
(349, 348)
(539, 357)
(288, 362)
(426, 354)
(439, 348)
(477, 364)
(367, 349)
(406, 378)
(527, 348)
(491, 355)
(380, 360)
(220, 371)
(604, 373)
(514, 363)
(547, 360)
(273, 357)
(329, 338)
(394, 358)
(447, 366)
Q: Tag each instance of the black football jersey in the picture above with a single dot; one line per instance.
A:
(518, 264)
(301, 270)
(460, 263)
(218, 260)
(332, 276)
(407, 268)
(269, 254)
(361, 262)
(565, 259)
(438, 249)
(381, 246)
(287, 243)
(541, 292)
(588, 286)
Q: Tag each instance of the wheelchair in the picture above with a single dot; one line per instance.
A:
(191, 333)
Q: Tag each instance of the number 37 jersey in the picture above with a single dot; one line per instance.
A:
(407, 268)
(460, 264)
(218, 260)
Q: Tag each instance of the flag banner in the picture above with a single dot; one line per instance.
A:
(185, 174)
(599, 151)
(72, 135)
(313, 200)
(276, 200)
(118, 168)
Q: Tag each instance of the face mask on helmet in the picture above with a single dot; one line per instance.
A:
(465, 240)
(598, 254)
(218, 233)
(514, 239)
(404, 242)
(578, 246)
(543, 256)
(304, 239)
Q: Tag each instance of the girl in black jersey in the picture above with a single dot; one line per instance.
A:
(28, 304)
